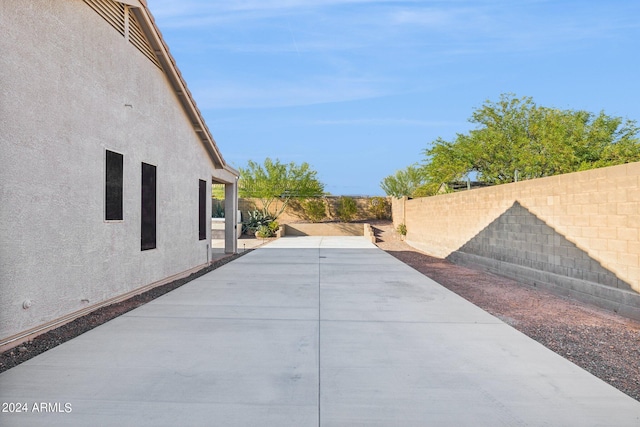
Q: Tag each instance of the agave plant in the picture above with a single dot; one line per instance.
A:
(255, 219)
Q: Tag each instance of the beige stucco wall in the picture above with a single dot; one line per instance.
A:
(596, 210)
(71, 88)
(295, 213)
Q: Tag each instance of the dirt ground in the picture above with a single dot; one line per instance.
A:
(601, 342)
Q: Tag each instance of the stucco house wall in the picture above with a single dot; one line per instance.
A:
(71, 88)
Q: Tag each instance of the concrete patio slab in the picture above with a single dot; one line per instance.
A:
(309, 331)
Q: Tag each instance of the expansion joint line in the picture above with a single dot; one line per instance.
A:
(319, 329)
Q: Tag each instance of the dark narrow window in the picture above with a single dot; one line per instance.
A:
(148, 235)
(113, 186)
(202, 209)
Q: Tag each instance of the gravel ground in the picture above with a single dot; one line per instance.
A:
(601, 342)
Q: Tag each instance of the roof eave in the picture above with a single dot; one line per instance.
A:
(178, 84)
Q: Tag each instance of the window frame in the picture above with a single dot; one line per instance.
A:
(202, 209)
(109, 189)
(148, 207)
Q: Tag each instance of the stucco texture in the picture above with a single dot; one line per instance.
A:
(72, 87)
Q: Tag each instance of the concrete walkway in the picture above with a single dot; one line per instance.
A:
(310, 331)
(244, 244)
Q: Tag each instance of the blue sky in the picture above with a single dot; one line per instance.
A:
(359, 88)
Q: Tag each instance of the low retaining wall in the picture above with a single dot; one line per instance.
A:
(218, 228)
(619, 300)
(327, 229)
(576, 234)
(324, 229)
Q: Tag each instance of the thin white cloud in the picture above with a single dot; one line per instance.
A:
(234, 94)
(222, 6)
(194, 13)
(449, 19)
(300, 52)
(389, 122)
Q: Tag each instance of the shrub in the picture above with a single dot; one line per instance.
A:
(263, 232)
(378, 207)
(255, 219)
(315, 209)
(347, 208)
(273, 227)
(402, 229)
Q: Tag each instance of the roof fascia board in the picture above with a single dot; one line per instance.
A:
(177, 82)
(232, 171)
(134, 3)
(225, 176)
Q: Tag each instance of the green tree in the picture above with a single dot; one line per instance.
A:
(404, 182)
(515, 134)
(275, 184)
(217, 191)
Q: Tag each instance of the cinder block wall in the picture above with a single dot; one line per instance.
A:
(568, 232)
(295, 213)
(398, 211)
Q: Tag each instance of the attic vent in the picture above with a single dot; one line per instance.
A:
(139, 40)
(111, 11)
(121, 17)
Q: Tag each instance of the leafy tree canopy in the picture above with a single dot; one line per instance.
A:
(217, 191)
(276, 183)
(515, 134)
(405, 182)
